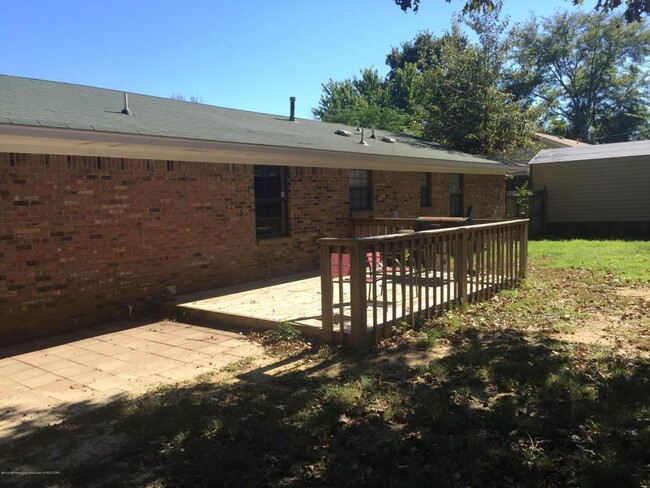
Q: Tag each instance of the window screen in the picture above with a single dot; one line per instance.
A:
(455, 195)
(271, 201)
(360, 197)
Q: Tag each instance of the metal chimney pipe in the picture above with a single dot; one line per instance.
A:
(292, 116)
(126, 110)
(363, 141)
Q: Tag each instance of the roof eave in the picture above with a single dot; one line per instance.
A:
(45, 140)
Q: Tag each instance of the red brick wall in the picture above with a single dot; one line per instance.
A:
(401, 191)
(486, 194)
(81, 238)
(440, 194)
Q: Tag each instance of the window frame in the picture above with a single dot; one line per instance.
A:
(360, 189)
(425, 190)
(455, 195)
(266, 197)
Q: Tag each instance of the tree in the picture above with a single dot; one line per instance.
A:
(586, 72)
(445, 89)
(364, 101)
(635, 10)
(468, 108)
(351, 94)
(423, 52)
(386, 118)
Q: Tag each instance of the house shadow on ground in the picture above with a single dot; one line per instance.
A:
(496, 409)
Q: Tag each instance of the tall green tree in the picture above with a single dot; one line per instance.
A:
(365, 100)
(587, 72)
(351, 94)
(446, 89)
(423, 52)
(468, 107)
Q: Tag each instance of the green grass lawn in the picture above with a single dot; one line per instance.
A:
(544, 385)
(626, 259)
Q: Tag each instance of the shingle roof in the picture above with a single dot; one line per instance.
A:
(589, 152)
(39, 103)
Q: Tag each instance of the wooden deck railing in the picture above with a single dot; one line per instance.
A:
(372, 227)
(373, 285)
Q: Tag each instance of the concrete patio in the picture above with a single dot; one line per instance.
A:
(43, 382)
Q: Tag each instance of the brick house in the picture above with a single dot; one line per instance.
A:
(105, 200)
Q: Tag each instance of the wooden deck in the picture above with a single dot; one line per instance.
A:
(441, 269)
(260, 304)
(296, 299)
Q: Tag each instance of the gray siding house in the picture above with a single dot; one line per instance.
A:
(601, 190)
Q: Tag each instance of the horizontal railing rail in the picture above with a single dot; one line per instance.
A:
(372, 286)
(372, 226)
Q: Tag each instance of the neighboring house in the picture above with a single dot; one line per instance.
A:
(544, 141)
(522, 177)
(556, 142)
(601, 190)
(104, 206)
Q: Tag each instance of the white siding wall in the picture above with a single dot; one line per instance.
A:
(609, 190)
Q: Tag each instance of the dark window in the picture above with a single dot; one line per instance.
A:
(360, 196)
(271, 201)
(425, 190)
(455, 195)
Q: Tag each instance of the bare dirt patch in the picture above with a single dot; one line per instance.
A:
(642, 293)
(625, 329)
(597, 330)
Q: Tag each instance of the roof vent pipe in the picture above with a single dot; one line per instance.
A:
(126, 110)
(373, 133)
(362, 141)
(292, 113)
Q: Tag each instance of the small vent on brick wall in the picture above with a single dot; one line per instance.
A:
(170, 165)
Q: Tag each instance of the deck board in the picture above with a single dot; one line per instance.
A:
(295, 299)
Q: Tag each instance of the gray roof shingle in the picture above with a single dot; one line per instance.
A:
(30, 102)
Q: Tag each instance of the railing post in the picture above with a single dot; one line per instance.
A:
(327, 300)
(460, 266)
(523, 251)
(358, 305)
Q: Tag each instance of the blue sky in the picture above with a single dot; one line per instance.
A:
(250, 55)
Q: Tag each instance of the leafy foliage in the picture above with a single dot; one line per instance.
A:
(447, 89)
(468, 109)
(587, 72)
(362, 101)
(580, 76)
